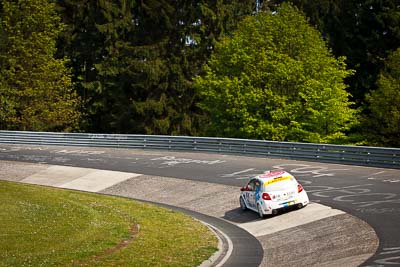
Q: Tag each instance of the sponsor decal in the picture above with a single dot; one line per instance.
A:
(276, 180)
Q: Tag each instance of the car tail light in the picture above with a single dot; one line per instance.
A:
(265, 196)
(299, 188)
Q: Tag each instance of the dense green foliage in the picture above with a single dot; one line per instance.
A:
(383, 121)
(365, 31)
(275, 79)
(132, 65)
(35, 88)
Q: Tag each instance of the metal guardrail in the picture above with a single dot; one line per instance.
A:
(354, 155)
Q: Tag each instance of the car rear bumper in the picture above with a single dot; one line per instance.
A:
(272, 207)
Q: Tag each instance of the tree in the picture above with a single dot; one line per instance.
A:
(276, 79)
(35, 87)
(365, 31)
(383, 121)
(134, 61)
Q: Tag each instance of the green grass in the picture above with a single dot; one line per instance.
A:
(41, 226)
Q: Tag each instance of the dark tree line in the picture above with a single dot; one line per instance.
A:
(133, 61)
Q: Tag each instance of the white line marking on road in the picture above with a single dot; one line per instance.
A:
(236, 173)
(372, 175)
(390, 251)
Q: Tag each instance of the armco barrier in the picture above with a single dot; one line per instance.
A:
(355, 155)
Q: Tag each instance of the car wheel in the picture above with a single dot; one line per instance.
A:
(242, 204)
(260, 212)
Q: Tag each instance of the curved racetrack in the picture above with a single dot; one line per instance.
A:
(370, 194)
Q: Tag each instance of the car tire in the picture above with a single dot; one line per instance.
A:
(242, 204)
(260, 212)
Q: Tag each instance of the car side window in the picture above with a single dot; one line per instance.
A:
(251, 185)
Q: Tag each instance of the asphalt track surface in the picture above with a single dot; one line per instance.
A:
(371, 194)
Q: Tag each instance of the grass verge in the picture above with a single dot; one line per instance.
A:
(41, 226)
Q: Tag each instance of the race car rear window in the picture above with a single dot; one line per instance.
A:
(280, 184)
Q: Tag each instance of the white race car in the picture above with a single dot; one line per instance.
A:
(271, 192)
